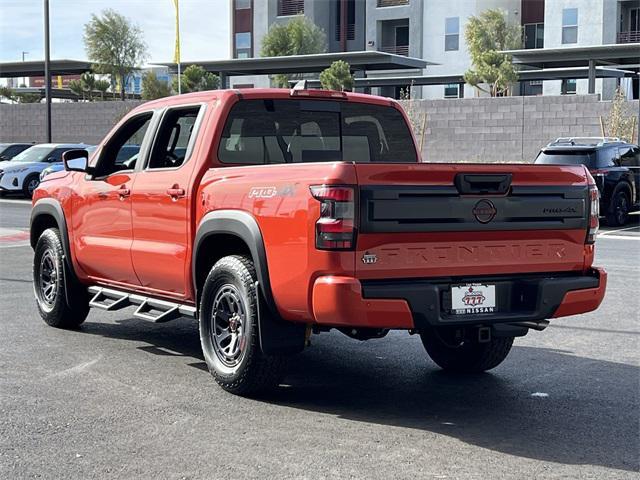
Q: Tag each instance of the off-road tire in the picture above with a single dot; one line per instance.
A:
(25, 184)
(255, 372)
(618, 211)
(467, 354)
(55, 311)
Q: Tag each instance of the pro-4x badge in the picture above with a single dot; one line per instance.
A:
(369, 258)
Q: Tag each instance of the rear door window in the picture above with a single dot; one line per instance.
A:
(300, 131)
(607, 157)
(563, 157)
(629, 156)
(174, 136)
(56, 155)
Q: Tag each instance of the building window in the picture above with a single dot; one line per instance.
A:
(402, 40)
(630, 26)
(570, 25)
(569, 86)
(394, 36)
(242, 4)
(454, 90)
(634, 19)
(534, 35)
(243, 45)
(531, 88)
(451, 34)
(350, 31)
(290, 7)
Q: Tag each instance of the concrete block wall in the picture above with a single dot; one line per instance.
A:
(508, 129)
(71, 122)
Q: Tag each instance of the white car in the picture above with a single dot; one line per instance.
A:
(22, 173)
(58, 167)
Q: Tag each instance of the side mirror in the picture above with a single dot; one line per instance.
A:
(76, 160)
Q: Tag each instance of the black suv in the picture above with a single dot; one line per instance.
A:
(614, 164)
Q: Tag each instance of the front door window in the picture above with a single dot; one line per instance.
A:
(121, 152)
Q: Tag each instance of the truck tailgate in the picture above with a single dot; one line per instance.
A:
(447, 220)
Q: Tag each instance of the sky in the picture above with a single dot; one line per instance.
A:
(204, 27)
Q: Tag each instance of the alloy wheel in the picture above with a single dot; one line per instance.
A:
(228, 320)
(32, 185)
(48, 278)
(622, 209)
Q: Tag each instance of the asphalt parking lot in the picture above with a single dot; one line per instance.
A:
(123, 398)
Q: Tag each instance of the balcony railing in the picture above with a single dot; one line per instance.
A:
(632, 36)
(396, 49)
(351, 32)
(392, 3)
(290, 7)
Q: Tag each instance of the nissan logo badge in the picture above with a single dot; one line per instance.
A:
(484, 211)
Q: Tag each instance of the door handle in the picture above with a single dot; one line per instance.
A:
(123, 192)
(175, 192)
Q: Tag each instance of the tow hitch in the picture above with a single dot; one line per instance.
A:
(484, 334)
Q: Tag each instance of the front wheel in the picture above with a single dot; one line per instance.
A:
(30, 184)
(49, 284)
(458, 349)
(229, 329)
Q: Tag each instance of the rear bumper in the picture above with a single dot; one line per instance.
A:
(583, 300)
(422, 303)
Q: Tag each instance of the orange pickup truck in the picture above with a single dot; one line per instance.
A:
(270, 214)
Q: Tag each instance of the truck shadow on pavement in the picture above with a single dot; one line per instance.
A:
(589, 414)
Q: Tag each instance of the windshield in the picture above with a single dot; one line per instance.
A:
(33, 154)
(299, 131)
(566, 158)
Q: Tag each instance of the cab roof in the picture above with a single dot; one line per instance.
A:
(61, 145)
(266, 93)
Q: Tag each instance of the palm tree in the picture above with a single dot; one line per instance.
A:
(88, 82)
(76, 87)
(102, 86)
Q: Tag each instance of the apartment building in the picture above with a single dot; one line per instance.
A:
(444, 43)
(576, 23)
(434, 30)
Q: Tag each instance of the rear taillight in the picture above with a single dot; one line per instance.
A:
(594, 213)
(335, 229)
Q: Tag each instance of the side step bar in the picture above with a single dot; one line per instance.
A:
(151, 309)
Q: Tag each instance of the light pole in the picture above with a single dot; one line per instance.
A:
(24, 81)
(47, 73)
(176, 56)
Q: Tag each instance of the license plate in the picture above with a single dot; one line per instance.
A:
(473, 298)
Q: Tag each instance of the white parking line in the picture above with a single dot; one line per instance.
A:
(609, 232)
(17, 245)
(618, 237)
(18, 202)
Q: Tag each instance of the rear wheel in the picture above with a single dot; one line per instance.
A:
(50, 287)
(229, 329)
(30, 184)
(618, 211)
(458, 349)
